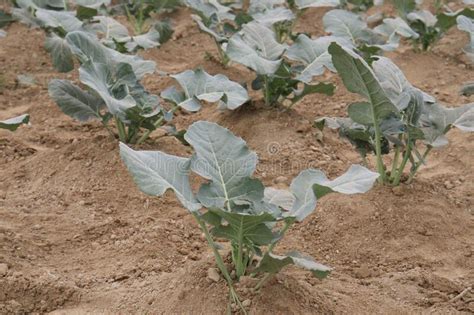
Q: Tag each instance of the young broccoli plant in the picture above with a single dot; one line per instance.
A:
(222, 22)
(394, 115)
(430, 27)
(114, 91)
(141, 14)
(233, 205)
(12, 124)
(351, 28)
(257, 48)
(467, 25)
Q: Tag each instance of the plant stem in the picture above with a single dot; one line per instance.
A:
(395, 162)
(262, 281)
(156, 124)
(219, 261)
(121, 129)
(266, 92)
(224, 58)
(396, 180)
(378, 151)
(418, 164)
(108, 129)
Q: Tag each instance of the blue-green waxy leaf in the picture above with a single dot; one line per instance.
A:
(224, 160)
(74, 101)
(59, 19)
(200, 86)
(245, 192)
(359, 78)
(12, 124)
(435, 121)
(60, 52)
(273, 16)
(465, 122)
(209, 8)
(314, 55)
(98, 76)
(424, 16)
(87, 47)
(347, 25)
(303, 4)
(311, 184)
(467, 25)
(272, 263)
(257, 48)
(155, 172)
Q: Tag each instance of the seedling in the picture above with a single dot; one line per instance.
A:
(257, 48)
(394, 115)
(114, 90)
(355, 32)
(430, 27)
(234, 206)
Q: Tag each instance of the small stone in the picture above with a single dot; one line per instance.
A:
(183, 251)
(281, 180)
(448, 184)
(175, 238)
(213, 274)
(3, 269)
(397, 191)
(362, 272)
(246, 303)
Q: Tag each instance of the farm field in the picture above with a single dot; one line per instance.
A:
(77, 236)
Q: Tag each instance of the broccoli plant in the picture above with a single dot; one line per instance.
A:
(58, 23)
(12, 124)
(257, 48)
(141, 14)
(113, 90)
(233, 205)
(430, 27)
(355, 32)
(394, 115)
(467, 25)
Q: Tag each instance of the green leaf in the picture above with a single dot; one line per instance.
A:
(313, 55)
(311, 184)
(98, 76)
(74, 101)
(322, 88)
(361, 112)
(359, 78)
(303, 4)
(200, 85)
(12, 124)
(257, 48)
(156, 172)
(85, 13)
(87, 47)
(223, 159)
(272, 263)
(250, 229)
(60, 52)
(446, 20)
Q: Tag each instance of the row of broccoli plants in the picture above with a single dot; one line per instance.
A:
(112, 90)
(394, 117)
(234, 206)
(58, 19)
(423, 28)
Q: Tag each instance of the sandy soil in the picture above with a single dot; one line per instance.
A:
(78, 237)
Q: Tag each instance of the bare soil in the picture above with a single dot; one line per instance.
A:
(78, 237)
